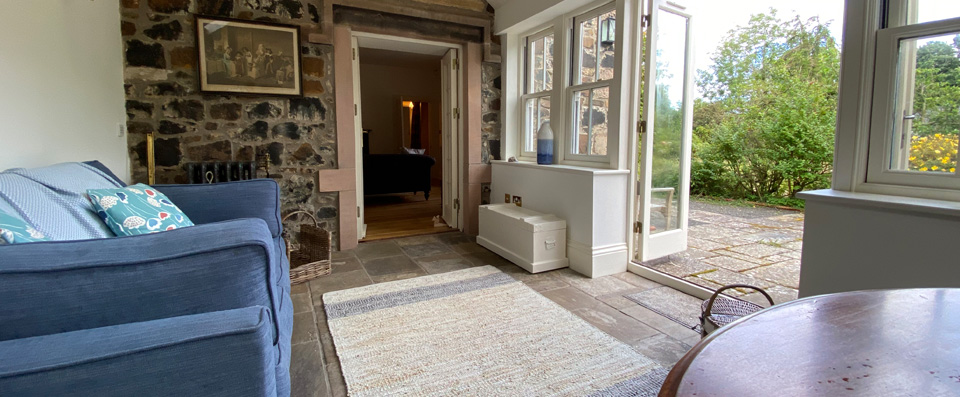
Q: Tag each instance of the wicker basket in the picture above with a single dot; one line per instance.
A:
(311, 259)
(715, 313)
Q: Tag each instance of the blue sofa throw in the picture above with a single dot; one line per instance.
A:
(201, 310)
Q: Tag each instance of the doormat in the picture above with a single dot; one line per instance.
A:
(476, 332)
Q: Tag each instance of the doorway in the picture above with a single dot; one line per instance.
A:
(407, 126)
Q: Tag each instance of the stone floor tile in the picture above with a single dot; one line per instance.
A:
(335, 378)
(572, 299)
(693, 253)
(467, 248)
(343, 255)
(345, 265)
(785, 273)
(307, 378)
(426, 249)
(618, 300)
(711, 232)
(455, 238)
(726, 277)
(336, 282)
(417, 240)
(487, 258)
(326, 340)
(794, 245)
(758, 250)
(707, 284)
(304, 328)
(594, 286)
(383, 278)
(615, 323)
(663, 349)
(659, 323)
(301, 302)
(543, 281)
(743, 257)
(377, 249)
(391, 265)
(443, 263)
(639, 282)
(730, 263)
(301, 288)
(682, 268)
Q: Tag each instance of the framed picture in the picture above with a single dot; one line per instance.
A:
(248, 57)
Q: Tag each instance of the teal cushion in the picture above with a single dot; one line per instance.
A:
(14, 230)
(137, 209)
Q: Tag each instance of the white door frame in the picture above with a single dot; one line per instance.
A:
(652, 247)
(358, 138)
(459, 153)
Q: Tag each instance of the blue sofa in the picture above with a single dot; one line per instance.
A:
(202, 310)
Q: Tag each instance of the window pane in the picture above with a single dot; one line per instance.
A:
(926, 131)
(590, 121)
(588, 52)
(921, 11)
(597, 48)
(536, 112)
(540, 65)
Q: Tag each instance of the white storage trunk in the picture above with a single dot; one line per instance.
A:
(534, 241)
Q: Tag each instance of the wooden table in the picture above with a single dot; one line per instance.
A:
(869, 343)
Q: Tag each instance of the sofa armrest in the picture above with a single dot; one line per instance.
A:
(207, 203)
(226, 353)
(61, 286)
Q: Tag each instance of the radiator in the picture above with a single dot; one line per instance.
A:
(225, 171)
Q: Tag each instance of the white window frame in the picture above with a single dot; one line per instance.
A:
(867, 102)
(526, 79)
(561, 99)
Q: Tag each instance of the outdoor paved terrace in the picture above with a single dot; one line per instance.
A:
(740, 244)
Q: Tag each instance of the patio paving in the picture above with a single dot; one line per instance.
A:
(734, 243)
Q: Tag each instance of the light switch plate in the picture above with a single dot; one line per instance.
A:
(518, 201)
(506, 198)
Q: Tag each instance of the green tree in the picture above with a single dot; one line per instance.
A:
(774, 83)
(936, 100)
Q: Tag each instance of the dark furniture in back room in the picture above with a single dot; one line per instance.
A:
(397, 173)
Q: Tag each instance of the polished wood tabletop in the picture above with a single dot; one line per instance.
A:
(865, 343)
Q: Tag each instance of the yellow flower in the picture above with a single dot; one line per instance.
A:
(923, 169)
(913, 158)
(953, 170)
(945, 160)
(934, 168)
(937, 151)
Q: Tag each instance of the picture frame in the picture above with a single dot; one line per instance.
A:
(248, 57)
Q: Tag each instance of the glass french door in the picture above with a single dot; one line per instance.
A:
(666, 129)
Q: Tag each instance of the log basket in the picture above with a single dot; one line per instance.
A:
(311, 257)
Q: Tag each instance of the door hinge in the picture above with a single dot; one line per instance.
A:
(456, 64)
(358, 211)
(456, 204)
(641, 126)
(354, 54)
(355, 110)
(456, 113)
(637, 227)
(645, 21)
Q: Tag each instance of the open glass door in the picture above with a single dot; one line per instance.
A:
(358, 135)
(663, 178)
(450, 85)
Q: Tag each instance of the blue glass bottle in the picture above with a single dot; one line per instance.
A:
(545, 144)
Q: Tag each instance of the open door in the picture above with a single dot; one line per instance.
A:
(663, 177)
(358, 135)
(450, 136)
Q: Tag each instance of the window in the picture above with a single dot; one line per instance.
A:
(538, 87)
(568, 75)
(915, 120)
(593, 71)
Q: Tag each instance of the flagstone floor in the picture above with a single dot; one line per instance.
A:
(736, 244)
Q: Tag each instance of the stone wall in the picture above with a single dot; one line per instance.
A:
(162, 90)
(490, 107)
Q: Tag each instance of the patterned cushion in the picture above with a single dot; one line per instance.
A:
(137, 209)
(14, 230)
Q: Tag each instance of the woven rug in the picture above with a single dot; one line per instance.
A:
(683, 309)
(476, 332)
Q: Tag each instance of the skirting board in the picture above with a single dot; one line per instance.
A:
(536, 267)
(597, 261)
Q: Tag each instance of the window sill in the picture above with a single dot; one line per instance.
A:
(883, 201)
(570, 169)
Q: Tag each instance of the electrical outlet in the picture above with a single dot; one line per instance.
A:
(506, 198)
(518, 201)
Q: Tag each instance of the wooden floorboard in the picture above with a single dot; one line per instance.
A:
(402, 215)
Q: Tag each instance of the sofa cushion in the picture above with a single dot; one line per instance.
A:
(14, 230)
(137, 209)
(53, 199)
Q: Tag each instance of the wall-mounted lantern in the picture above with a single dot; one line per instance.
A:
(608, 31)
